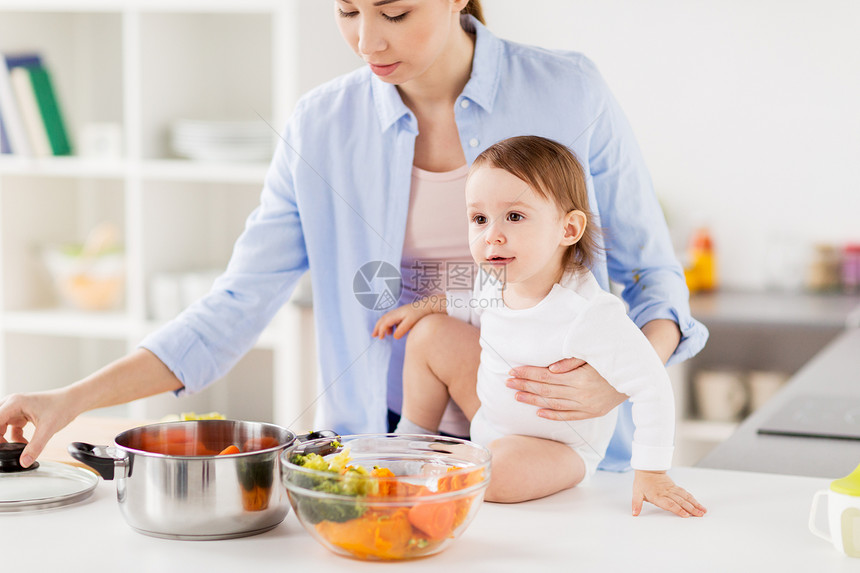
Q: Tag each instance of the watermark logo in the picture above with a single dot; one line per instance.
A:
(377, 285)
(435, 276)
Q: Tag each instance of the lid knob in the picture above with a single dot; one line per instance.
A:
(10, 458)
(849, 485)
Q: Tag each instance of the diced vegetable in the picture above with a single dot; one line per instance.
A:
(257, 444)
(174, 442)
(187, 416)
(229, 450)
(382, 535)
(368, 530)
(256, 498)
(436, 519)
(344, 480)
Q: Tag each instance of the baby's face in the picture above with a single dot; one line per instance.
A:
(514, 233)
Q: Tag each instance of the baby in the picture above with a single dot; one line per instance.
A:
(536, 302)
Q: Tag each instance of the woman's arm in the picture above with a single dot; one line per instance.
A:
(209, 337)
(664, 335)
(640, 256)
(138, 375)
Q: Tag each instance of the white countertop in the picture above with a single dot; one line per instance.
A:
(756, 522)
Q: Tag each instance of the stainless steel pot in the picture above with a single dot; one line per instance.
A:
(171, 483)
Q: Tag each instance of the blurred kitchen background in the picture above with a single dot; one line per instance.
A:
(746, 113)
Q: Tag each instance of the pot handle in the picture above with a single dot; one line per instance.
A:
(323, 448)
(97, 457)
(318, 435)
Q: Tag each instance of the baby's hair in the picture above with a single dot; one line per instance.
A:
(553, 171)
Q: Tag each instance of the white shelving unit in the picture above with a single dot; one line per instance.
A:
(143, 64)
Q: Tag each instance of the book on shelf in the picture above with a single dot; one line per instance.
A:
(30, 107)
(12, 121)
(50, 109)
(5, 147)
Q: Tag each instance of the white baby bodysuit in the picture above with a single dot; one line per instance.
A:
(576, 319)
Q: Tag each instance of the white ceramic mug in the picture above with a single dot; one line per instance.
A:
(763, 385)
(843, 519)
(721, 395)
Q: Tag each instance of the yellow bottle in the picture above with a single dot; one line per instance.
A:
(701, 275)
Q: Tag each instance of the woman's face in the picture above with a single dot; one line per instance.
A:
(399, 39)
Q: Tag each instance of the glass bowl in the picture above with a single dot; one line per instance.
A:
(389, 497)
(83, 282)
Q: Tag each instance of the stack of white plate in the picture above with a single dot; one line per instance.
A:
(221, 140)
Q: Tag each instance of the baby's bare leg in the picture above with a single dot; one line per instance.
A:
(527, 468)
(442, 355)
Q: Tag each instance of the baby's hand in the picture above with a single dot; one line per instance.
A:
(659, 489)
(404, 317)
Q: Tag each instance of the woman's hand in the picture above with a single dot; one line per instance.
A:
(49, 412)
(659, 489)
(569, 389)
(404, 317)
(137, 375)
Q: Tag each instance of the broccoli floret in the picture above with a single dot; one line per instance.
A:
(345, 480)
(311, 461)
(316, 510)
(339, 510)
(339, 461)
(355, 482)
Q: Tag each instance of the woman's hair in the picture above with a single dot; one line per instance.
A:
(552, 170)
(473, 8)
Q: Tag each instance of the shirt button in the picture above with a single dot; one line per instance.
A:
(464, 103)
(474, 142)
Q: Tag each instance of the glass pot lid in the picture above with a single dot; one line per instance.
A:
(40, 486)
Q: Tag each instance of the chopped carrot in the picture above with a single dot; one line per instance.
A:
(387, 487)
(256, 499)
(434, 519)
(176, 435)
(257, 444)
(231, 449)
(379, 534)
(461, 481)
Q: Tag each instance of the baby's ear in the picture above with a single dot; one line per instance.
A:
(574, 227)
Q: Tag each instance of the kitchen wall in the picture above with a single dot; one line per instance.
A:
(746, 110)
(747, 113)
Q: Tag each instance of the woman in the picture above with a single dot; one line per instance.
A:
(340, 199)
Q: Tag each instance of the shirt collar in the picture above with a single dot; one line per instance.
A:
(481, 87)
(486, 65)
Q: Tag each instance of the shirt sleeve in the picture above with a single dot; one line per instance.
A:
(211, 335)
(639, 251)
(609, 341)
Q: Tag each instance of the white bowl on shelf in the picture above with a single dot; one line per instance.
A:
(238, 141)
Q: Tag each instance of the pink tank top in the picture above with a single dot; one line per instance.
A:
(436, 255)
